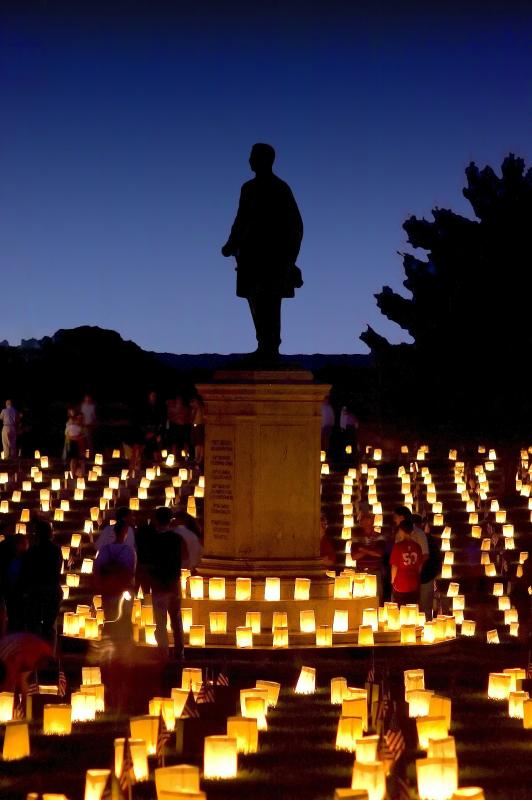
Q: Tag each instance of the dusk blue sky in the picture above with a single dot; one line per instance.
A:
(124, 139)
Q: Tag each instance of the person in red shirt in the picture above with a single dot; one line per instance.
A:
(405, 560)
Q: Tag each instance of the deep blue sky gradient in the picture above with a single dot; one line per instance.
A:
(124, 138)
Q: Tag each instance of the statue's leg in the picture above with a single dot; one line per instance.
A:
(272, 322)
(252, 301)
(268, 311)
(265, 309)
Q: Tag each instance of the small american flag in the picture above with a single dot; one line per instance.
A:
(206, 693)
(222, 679)
(190, 709)
(126, 776)
(163, 735)
(61, 683)
(33, 686)
(393, 743)
(372, 690)
(107, 793)
(383, 705)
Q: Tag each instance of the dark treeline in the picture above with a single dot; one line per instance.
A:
(51, 375)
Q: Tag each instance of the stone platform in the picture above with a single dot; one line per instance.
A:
(262, 474)
(236, 610)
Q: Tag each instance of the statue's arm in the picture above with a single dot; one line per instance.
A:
(295, 226)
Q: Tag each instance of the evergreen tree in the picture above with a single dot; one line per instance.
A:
(471, 294)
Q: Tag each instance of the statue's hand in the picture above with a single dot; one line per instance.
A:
(227, 250)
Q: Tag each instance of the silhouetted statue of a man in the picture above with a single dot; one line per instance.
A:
(265, 239)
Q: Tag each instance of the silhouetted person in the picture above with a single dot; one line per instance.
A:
(165, 576)
(11, 562)
(114, 572)
(265, 239)
(41, 576)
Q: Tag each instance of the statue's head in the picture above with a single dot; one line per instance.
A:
(261, 158)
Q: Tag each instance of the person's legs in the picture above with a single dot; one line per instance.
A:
(50, 609)
(5, 441)
(405, 598)
(110, 612)
(426, 598)
(160, 602)
(176, 622)
(16, 612)
(378, 576)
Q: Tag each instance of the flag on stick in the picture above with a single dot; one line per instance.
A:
(190, 709)
(382, 707)
(222, 679)
(393, 742)
(107, 793)
(61, 683)
(33, 686)
(163, 735)
(127, 776)
(206, 693)
(372, 692)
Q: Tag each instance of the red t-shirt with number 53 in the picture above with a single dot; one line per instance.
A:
(406, 556)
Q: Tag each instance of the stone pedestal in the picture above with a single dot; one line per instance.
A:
(262, 475)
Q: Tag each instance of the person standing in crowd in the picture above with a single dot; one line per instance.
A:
(152, 426)
(71, 413)
(133, 441)
(367, 549)
(76, 444)
(9, 417)
(178, 426)
(144, 538)
(90, 420)
(114, 571)
(41, 581)
(430, 570)
(402, 513)
(108, 534)
(327, 424)
(521, 586)
(405, 563)
(191, 545)
(349, 428)
(166, 582)
(11, 580)
(197, 432)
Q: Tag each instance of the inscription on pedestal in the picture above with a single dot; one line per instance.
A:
(220, 470)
